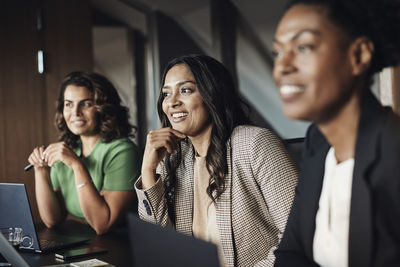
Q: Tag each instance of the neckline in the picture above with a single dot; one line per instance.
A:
(331, 157)
(79, 149)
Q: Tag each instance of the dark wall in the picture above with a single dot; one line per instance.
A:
(27, 98)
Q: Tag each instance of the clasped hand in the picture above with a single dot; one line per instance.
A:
(42, 157)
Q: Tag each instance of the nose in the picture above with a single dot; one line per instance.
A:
(284, 64)
(174, 100)
(77, 110)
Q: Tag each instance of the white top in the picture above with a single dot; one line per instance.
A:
(331, 237)
(204, 211)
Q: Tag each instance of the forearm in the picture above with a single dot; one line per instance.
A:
(93, 205)
(50, 210)
(148, 178)
(152, 203)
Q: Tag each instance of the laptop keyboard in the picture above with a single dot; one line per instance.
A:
(49, 244)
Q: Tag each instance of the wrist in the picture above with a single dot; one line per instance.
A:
(148, 174)
(77, 166)
(79, 186)
(148, 178)
(42, 170)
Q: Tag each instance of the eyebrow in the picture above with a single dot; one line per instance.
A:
(83, 100)
(298, 34)
(180, 83)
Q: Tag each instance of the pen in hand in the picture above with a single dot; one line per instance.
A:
(30, 166)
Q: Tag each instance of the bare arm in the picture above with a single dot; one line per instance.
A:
(100, 210)
(50, 205)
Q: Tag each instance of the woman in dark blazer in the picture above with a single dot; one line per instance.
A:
(346, 210)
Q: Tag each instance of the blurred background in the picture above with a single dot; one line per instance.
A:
(130, 42)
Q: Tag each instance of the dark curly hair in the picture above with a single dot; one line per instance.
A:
(379, 20)
(112, 118)
(225, 107)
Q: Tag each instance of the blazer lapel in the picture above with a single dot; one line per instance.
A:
(184, 191)
(361, 223)
(312, 176)
(224, 216)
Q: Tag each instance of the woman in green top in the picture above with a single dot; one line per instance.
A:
(90, 173)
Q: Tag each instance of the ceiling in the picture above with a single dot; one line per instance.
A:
(261, 15)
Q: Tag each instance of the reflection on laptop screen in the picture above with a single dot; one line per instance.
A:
(15, 211)
(155, 246)
(11, 255)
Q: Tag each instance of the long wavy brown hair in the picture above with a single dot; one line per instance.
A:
(112, 119)
(219, 94)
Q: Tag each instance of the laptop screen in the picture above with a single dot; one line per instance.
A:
(16, 212)
(154, 246)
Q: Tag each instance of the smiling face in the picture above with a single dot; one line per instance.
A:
(183, 104)
(312, 67)
(79, 111)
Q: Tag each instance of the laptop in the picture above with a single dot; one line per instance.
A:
(156, 246)
(10, 254)
(15, 211)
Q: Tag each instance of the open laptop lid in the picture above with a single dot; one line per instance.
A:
(16, 212)
(155, 246)
(10, 254)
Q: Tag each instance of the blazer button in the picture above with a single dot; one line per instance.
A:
(148, 211)
(147, 206)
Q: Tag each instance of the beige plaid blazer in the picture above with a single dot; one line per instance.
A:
(253, 209)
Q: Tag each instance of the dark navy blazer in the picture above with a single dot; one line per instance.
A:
(374, 234)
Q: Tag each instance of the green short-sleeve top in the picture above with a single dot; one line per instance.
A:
(113, 166)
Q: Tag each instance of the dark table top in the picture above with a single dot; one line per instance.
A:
(116, 242)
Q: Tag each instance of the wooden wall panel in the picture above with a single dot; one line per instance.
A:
(67, 46)
(22, 92)
(27, 97)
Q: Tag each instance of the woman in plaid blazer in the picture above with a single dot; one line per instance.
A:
(249, 177)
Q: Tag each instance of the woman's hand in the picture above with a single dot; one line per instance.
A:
(36, 158)
(158, 143)
(51, 211)
(60, 152)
